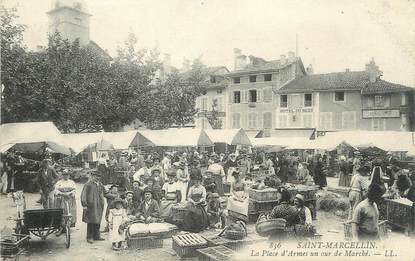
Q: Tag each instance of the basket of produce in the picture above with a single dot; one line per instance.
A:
(266, 226)
(236, 231)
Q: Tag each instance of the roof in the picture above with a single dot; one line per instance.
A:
(357, 80)
(266, 66)
(181, 137)
(229, 136)
(31, 136)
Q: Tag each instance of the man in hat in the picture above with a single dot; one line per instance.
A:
(358, 188)
(47, 180)
(143, 173)
(130, 205)
(148, 211)
(138, 193)
(92, 200)
(303, 211)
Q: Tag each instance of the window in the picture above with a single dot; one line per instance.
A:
(325, 120)
(267, 120)
(282, 121)
(236, 97)
(283, 101)
(379, 101)
(252, 78)
(349, 120)
(252, 120)
(403, 99)
(404, 122)
(339, 96)
(268, 77)
(267, 95)
(308, 100)
(252, 96)
(370, 101)
(378, 124)
(236, 121)
(236, 80)
(307, 120)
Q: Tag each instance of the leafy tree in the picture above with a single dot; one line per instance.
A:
(213, 116)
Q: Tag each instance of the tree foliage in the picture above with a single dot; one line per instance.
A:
(80, 88)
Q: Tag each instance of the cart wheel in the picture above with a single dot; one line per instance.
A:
(68, 236)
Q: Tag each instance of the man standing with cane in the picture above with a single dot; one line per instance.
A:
(92, 199)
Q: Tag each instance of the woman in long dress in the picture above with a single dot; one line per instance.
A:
(172, 195)
(218, 175)
(239, 199)
(182, 179)
(65, 191)
(196, 218)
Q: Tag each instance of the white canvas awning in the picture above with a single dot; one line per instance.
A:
(32, 136)
(385, 140)
(181, 137)
(284, 142)
(229, 136)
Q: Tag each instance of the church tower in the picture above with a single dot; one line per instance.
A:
(71, 19)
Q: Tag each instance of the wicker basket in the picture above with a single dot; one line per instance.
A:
(144, 242)
(216, 253)
(267, 194)
(12, 245)
(178, 212)
(265, 227)
(234, 234)
(187, 244)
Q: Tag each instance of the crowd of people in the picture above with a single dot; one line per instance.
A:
(145, 188)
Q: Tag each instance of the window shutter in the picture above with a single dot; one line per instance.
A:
(259, 95)
(260, 119)
(197, 103)
(244, 96)
(230, 97)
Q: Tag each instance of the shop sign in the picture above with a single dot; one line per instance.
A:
(381, 114)
(296, 110)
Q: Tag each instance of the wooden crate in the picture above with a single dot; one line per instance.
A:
(234, 244)
(144, 242)
(187, 244)
(267, 194)
(216, 253)
(401, 213)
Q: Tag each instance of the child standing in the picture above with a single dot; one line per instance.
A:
(117, 216)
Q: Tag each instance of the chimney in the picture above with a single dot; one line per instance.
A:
(373, 71)
(283, 59)
(240, 60)
(291, 56)
(309, 69)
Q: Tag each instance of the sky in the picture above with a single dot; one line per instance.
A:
(332, 35)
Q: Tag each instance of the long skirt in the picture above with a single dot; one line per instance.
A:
(60, 203)
(165, 209)
(183, 190)
(344, 180)
(238, 207)
(195, 218)
(218, 184)
(115, 235)
(354, 199)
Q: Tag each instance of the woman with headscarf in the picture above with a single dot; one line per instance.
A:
(379, 189)
(196, 218)
(239, 198)
(344, 177)
(65, 192)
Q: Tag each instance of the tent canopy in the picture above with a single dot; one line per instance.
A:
(385, 140)
(284, 142)
(181, 137)
(32, 136)
(229, 136)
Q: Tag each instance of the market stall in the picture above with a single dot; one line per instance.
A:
(227, 140)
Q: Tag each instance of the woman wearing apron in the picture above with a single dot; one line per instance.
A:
(239, 199)
(172, 195)
(196, 218)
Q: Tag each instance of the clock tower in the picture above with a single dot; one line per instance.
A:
(71, 19)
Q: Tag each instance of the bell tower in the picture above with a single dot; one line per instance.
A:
(71, 19)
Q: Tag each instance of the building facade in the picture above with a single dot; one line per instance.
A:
(71, 19)
(345, 101)
(251, 103)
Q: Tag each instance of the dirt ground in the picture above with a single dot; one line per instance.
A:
(53, 248)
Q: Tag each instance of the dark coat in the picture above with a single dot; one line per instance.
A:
(92, 198)
(47, 180)
(152, 211)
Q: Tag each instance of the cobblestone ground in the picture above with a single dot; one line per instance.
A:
(53, 248)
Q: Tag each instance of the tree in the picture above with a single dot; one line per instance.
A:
(213, 116)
